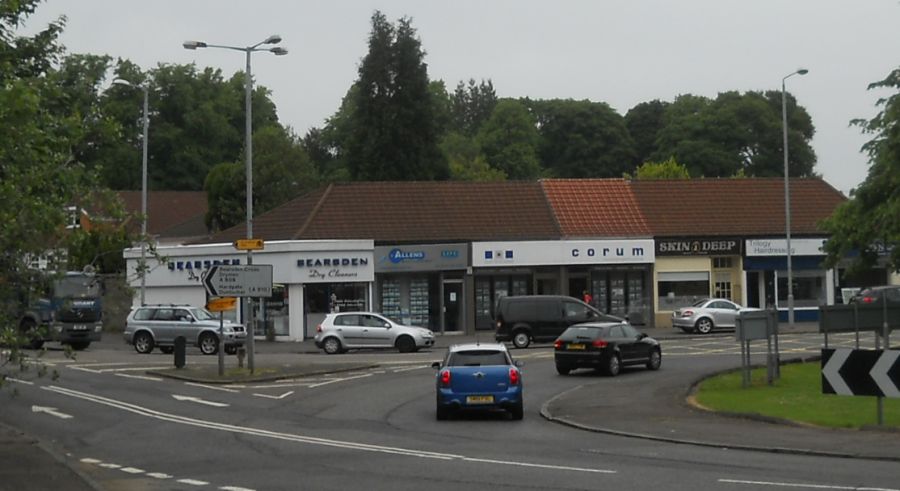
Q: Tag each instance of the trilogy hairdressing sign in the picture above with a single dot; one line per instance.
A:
(698, 247)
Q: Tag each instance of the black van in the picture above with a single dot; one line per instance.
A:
(527, 318)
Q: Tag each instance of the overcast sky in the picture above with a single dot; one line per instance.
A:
(621, 52)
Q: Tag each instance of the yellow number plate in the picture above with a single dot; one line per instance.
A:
(479, 399)
(576, 346)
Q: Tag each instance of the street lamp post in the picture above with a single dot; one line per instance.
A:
(248, 146)
(145, 88)
(787, 196)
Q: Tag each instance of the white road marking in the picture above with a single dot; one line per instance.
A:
(212, 387)
(199, 401)
(357, 446)
(313, 386)
(132, 470)
(88, 460)
(51, 411)
(282, 396)
(110, 466)
(159, 475)
(193, 482)
(802, 485)
(234, 488)
(89, 368)
(140, 377)
(19, 381)
(406, 369)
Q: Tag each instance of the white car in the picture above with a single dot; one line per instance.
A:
(708, 314)
(342, 331)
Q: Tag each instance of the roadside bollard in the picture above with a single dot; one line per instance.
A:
(241, 353)
(180, 343)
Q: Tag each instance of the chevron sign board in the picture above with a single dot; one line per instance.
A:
(850, 372)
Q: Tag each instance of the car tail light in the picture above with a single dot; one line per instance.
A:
(319, 328)
(868, 299)
(445, 378)
(599, 343)
(557, 344)
(513, 376)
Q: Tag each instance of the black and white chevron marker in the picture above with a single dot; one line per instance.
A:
(852, 372)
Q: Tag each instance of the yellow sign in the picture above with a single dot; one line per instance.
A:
(248, 244)
(221, 304)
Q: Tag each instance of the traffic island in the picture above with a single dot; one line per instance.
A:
(209, 374)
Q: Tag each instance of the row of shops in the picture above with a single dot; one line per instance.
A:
(453, 287)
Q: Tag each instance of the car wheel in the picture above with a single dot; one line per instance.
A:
(405, 344)
(655, 360)
(563, 370)
(517, 411)
(613, 366)
(209, 344)
(80, 345)
(29, 330)
(521, 339)
(167, 349)
(704, 326)
(331, 345)
(143, 342)
(231, 349)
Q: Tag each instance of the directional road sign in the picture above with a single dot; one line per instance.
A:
(251, 280)
(249, 244)
(221, 304)
(852, 372)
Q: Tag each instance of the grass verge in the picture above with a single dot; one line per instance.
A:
(797, 396)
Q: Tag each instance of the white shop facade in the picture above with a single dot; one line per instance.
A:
(310, 279)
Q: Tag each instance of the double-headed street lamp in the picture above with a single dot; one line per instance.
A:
(787, 196)
(145, 87)
(248, 88)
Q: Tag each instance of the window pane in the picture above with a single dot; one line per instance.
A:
(676, 294)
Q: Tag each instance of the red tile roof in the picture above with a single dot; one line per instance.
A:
(170, 213)
(736, 207)
(587, 208)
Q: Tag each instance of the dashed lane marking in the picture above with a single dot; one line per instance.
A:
(803, 485)
(193, 482)
(159, 475)
(132, 470)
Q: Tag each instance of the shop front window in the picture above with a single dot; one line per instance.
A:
(276, 316)
(677, 290)
(809, 288)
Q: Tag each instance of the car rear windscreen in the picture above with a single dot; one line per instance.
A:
(477, 358)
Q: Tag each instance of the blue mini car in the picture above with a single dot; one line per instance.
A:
(478, 376)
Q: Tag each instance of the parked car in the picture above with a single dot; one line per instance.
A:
(605, 346)
(707, 314)
(152, 326)
(526, 318)
(874, 295)
(340, 332)
(478, 376)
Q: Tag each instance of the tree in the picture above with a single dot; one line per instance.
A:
(583, 139)
(467, 162)
(644, 121)
(509, 141)
(226, 193)
(471, 106)
(393, 127)
(868, 224)
(669, 169)
(39, 177)
(735, 134)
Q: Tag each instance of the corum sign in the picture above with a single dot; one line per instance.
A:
(698, 247)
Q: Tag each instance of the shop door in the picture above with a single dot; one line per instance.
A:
(452, 306)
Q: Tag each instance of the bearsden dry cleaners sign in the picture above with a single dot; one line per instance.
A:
(698, 247)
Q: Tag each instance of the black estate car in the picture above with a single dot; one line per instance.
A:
(605, 346)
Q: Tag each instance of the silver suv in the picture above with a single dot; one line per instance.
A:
(149, 326)
(352, 330)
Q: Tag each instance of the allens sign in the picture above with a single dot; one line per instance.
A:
(698, 247)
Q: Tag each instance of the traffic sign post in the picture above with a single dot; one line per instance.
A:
(249, 244)
(251, 280)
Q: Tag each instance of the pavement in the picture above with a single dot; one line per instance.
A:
(661, 413)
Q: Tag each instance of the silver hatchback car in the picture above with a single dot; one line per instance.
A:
(353, 330)
(707, 314)
(150, 326)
